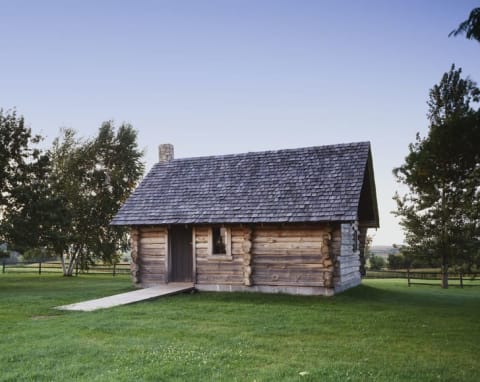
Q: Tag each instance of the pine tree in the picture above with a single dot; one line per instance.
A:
(440, 214)
(471, 26)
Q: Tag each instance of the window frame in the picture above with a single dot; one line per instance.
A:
(228, 245)
(356, 247)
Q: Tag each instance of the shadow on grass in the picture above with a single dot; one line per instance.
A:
(394, 293)
(380, 292)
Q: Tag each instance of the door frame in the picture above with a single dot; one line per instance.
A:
(168, 258)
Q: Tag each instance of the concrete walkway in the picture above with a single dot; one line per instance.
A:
(129, 297)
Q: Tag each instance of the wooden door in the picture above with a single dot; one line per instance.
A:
(181, 256)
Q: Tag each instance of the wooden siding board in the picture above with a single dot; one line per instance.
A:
(152, 249)
(291, 256)
(220, 270)
(279, 256)
(152, 239)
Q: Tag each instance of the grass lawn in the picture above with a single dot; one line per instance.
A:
(380, 331)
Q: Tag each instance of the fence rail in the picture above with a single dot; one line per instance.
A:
(427, 278)
(412, 277)
(42, 267)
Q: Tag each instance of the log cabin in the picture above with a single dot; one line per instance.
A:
(287, 221)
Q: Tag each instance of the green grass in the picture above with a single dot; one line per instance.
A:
(381, 331)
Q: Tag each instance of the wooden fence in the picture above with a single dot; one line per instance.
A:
(427, 278)
(42, 267)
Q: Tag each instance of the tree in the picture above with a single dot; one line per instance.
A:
(15, 141)
(61, 202)
(36, 214)
(376, 263)
(398, 261)
(440, 214)
(471, 26)
(404, 260)
(94, 178)
(367, 253)
(28, 208)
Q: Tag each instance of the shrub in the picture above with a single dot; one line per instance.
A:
(376, 263)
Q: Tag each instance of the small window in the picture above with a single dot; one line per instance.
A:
(355, 240)
(220, 241)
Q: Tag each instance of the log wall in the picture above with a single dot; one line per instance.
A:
(347, 261)
(149, 254)
(264, 258)
(292, 256)
(221, 270)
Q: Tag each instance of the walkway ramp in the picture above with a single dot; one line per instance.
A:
(129, 297)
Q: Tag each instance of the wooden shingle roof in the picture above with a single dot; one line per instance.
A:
(313, 184)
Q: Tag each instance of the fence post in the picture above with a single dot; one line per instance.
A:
(3, 266)
(461, 280)
(40, 267)
(114, 265)
(408, 276)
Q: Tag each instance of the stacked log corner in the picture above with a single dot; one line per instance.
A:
(134, 264)
(347, 261)
(247, 257)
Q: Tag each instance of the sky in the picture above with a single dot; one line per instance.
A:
(223, 77)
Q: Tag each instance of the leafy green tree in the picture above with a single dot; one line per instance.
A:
(440, 214)
(36, 216)
(471, 26)
(367, 253)
(398, 261)
(28, 208)
(404, 260)
(15, 150)
(94, 177)
(376, 263)
(395, 261)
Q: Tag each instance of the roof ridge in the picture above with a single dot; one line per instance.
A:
(336, 145)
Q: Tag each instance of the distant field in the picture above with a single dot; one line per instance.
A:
(380, 331)
(383, 250)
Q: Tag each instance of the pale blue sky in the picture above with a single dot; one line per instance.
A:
(220, 77)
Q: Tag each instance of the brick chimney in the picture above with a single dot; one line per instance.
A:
(165, 153)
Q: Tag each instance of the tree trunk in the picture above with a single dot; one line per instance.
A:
(445, 276)
(71, 266)
(62, 258)
(68, 271)
(445, 245)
